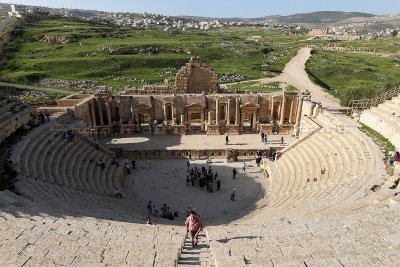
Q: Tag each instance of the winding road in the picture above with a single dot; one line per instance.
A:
(294, 74)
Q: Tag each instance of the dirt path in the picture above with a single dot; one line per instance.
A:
(22, 86)
(294, 74)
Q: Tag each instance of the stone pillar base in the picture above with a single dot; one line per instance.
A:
(233, 129)
(213, 130)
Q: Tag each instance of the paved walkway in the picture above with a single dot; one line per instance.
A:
(204, 142)
(29, 87)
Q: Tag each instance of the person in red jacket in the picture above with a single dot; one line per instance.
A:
(194, 225)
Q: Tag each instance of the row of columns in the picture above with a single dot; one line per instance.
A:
(294, 102)
(96, 108)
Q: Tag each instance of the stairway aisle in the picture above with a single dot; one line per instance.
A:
(197, 256)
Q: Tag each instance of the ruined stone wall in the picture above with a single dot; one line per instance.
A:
(195, 78)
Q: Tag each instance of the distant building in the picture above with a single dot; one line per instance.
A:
(14, 13)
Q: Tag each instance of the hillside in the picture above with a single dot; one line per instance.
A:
(321, 17)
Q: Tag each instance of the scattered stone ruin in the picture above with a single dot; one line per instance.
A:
(49, 39)
(193, 78)
(196, 78)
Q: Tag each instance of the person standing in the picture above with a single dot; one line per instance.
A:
(128, 167)
(262, 136)
(265, 138)
(234, 172)
(117, 193)
(194, 226)
(226, 140)
(282, 141)
(233, 193)
(150, 208)
(244, 167)
(188, 166)
(218, 184)
(133, 164)
(47, 114)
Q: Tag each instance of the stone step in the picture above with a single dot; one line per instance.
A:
(199, 255)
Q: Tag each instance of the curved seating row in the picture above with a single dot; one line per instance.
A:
(385, 119)
(339, 239)
(38, 239)
(337, 165)
(55, 171)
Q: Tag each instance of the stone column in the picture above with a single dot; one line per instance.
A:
(100, 110)
(298, 113)
(132, 115)
(272, 110)
(228, 113)
(209, 117)
(139, 120)
(237, 115)
(108, 110)
(217, 111)
(165, 114)
(291, 110)
(283, 107)
(254, 122)
(182, 119)
(202, 120)
(173, 114)
(91, 106)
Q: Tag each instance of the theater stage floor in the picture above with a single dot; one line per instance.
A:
(203, 142)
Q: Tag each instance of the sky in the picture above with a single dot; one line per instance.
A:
(225, 8)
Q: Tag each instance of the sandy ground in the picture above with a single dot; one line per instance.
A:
(294, 73)
(165, 182)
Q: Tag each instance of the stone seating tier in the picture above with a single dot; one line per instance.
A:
(340, 169)
(50, 161)
(328, 240)
(46, 240)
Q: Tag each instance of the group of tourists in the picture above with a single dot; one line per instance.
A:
(264, 138)
(69, 135)
(203, 177)
(165, 211)
(43, 116)
(128, 166)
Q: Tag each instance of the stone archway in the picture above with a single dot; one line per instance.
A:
(222, 112)
(168, 111)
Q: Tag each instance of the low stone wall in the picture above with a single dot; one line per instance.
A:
(15, 122)
(387, 128)
(196, 154)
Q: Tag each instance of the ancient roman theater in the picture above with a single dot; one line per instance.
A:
(318, 195)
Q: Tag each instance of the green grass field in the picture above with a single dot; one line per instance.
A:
(102, 53)
(352, 75)
(105, 54)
